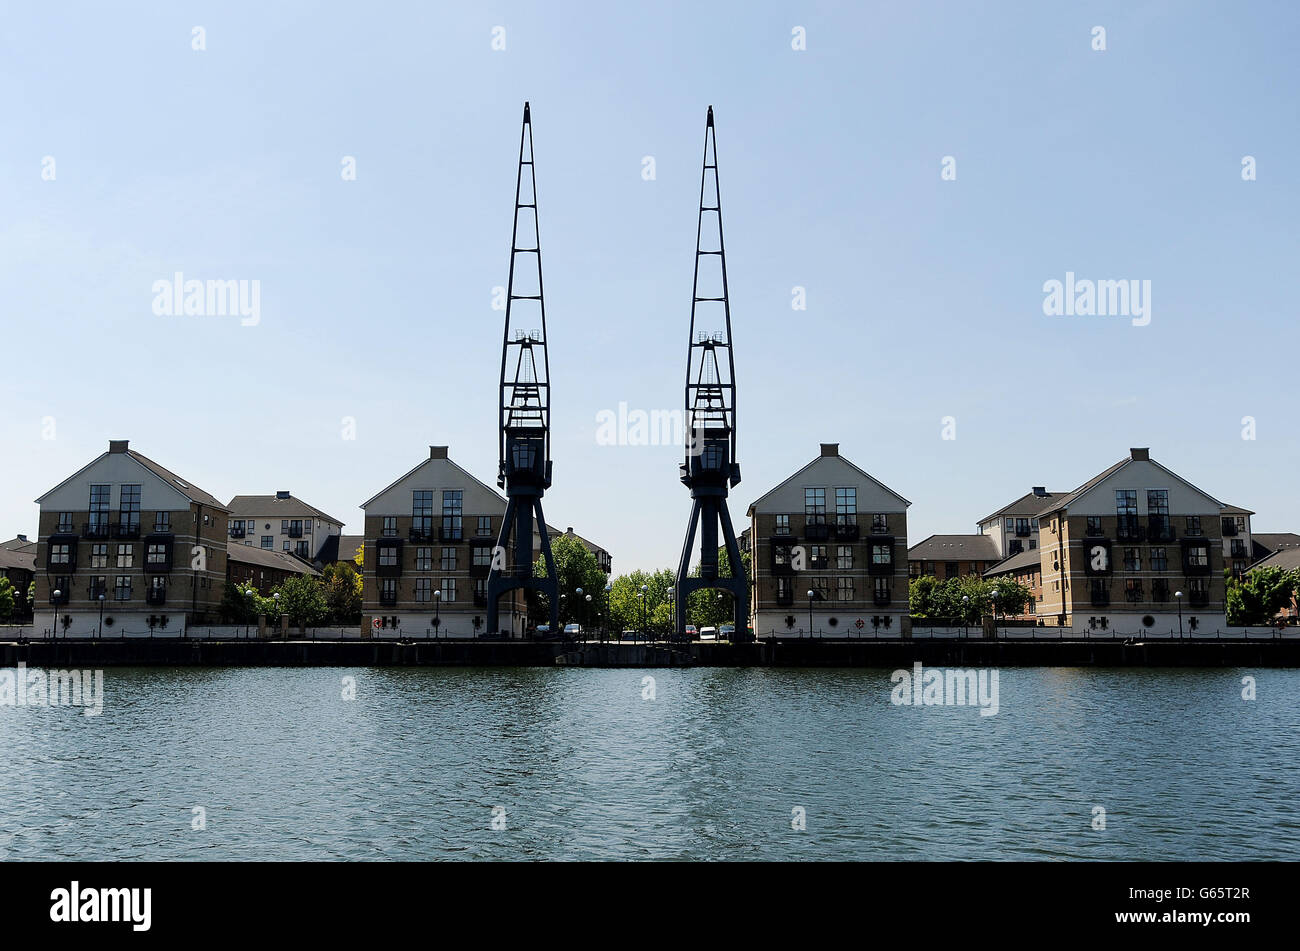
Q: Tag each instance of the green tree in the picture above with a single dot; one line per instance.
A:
(342, 585)
(966, 599)
(237, 605)
(302, 598)
(920, 595)
(31, 598)
(1260, 595)
(575, 567)
(6, 599)
(629, 611)
(360, 558)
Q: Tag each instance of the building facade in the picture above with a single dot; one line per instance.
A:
(1135, 550)
(128, 547)
(281, 522)
(833, 530)
(951, 556)
(251, 566)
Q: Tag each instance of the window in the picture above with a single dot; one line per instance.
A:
(1132, 559)
(780, 556)
(784, 590)
(814, 506)
(65, 522)
(388, 556)
(1193, 525)
(817, 557)
(122, 589)
(449, 559)
(423, 589)
(1094, 525)
(268, 541)
(1133, 589)
(98, 586)
(387, 589)
(285, 545)
(883, 591)
(844, 589)
(424, 559)
(782, 525)
(125, 556)
(1241, 523)
(284, 526)
(1126, 502)
(846, 506)
(99, 556)
(884, 555)
(451, 514)
(880, 523)
(295, 527)
(1159, 559)
(482, 556)
(422, 511)
(156, 553)
(480, 589)
(1157, 501)
(484, 525)
(99, 495)
(61, 553)
(162, 522)
(302, 549)
(390, 526)
(306, 526)
(128, 512)
(1009, 526)
(1198, 556)
(1022, 527)
(844, 557)
(448, 590)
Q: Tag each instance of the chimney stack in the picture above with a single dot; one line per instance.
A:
(1040, 491)
(282, 494)
(118, 445)
(830, 449)
(1140, 455)
(437, 452)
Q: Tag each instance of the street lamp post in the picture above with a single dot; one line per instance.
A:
(587, 598)
(579, 615)
(645, 611)
(248, 594)
(608, 588)
(437, 611)
(1178, 596)
(811, 594)
(54, 625)
(101, 615)
(276, 597)
(965, 615)
(995, 613)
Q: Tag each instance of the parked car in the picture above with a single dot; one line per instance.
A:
(543, 630)
(727, 631)
(572, 630)
(708, 633)
(691, 631)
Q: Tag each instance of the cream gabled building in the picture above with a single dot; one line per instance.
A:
(833, 529)
(151, 543)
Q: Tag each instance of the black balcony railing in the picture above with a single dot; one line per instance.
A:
(882, 598)
(236, 532)
(817, 531)
(418, 534)
(1160, 594)
(784, 600)
(1128, 528)
(126, 530)
(156, 596)
(880, 567)
(847, 533)
(96, 530)
(819, 563)
(1094, 531)
(295, 532)
(1100, 597)
(387, 600)
(1133, 595)
(1160, 528)
(1229, 527)
(1022, 531)
(451, 534)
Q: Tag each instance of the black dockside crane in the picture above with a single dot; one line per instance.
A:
(525, 408)
(711, 467)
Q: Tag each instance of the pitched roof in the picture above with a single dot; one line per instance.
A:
(443, 458)
(1029, 558)
(270, 558)
(1235, 510)
(590, 545)
(348, 546)
(22, 560)
(955, 548)
(259, 506)
(1107, 473)
(1287, 559)
(1029, 504)
(1265, 543)
(19, 544)
(187, 489)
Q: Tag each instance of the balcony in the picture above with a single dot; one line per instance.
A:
(480, 600)
(1229, 527)
(96, 530)
(819, 563)
(1160, 528)
(126, 530)
(847, 532)
(785, 599)
(1238, 550)
(1022, 531)
(388, 599)
(882, 599)
(1128, 528)
(295, 532)
(1133, 595)
(236, 532)
(1160, 594)
(1094, 531)
(451, 535)
(816, 531)
(421, 533)
(156, 596)
(880, 567)
(1100, 597)
(480, 571)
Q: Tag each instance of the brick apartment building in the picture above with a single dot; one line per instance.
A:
(835, 530)
(128, 534)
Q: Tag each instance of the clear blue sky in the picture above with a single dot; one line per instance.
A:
(924, 296)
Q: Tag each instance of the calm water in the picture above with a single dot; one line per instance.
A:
(710, 769)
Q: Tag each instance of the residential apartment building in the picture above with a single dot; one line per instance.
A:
(951, 556)
(1130, 547)
(128, 534)
(1014, 527)
(428, 544)
(18, 565)
(1026, 567)
(251, 566)
(281, 522)
(834, 530)
(1238, 546)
